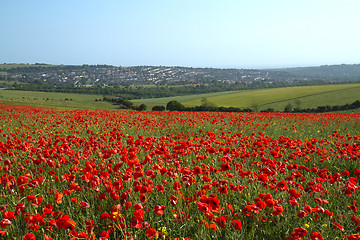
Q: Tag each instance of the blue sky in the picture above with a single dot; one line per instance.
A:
(194, 33)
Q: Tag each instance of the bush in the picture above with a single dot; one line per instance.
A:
(174, 106)
(158, 108)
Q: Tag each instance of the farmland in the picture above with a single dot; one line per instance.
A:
(53, 99)
(277, 98)
(97, 174)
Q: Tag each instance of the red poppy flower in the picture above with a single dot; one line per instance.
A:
(223, 190)
(65, 223)
(221, 221)
(345, 173)
(316, 236)
(261, 204)
(9, 215)
(58, 197)
(152, 233)
(278, 210)
(176, 186)
(270, 202)
(337, 226)
(47, 237)
(139, 214)
(142, 198)
(301, 232)
(236, 225)
(159, 209)
(29, 236)
(104, 216)
(355, 219)
(84, 205)
(4, 223)
(160, 188)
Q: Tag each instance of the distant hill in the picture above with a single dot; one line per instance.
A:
(87, 75)
(164, 81)
(327, 72)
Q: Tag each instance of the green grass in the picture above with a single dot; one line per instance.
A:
(15, 65)
(277, 98)
(150, 102)
(53, 99)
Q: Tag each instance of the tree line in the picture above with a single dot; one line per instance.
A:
(124, 104)
(322, 109)
(207, 106)
(204, 107)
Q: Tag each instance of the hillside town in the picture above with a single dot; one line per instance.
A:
(105, 75)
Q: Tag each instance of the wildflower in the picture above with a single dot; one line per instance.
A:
(160, 188)
(9, 215)
(159, 209)
(5, 222)
(223, 190)
(355, 219)
(337, 226)
(143, 198)
(221, 221)
(104, 216)
(213, 227)
(29, 236)
(301, 232)
(163, 231)
(278, 211)
(316, 236)
(65, 223)
(176, 186)
(353, 237)
(58, 197)
(236, 225)
(84, 205)
(151, 233)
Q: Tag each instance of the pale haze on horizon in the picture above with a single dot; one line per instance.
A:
(197, 33)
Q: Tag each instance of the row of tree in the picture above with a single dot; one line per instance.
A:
(207, 106)
(124, 104)
(321, 109)
(204, 107)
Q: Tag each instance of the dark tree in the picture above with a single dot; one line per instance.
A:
(174, 106)
(158, 108)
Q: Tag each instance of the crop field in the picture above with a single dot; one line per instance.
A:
(98, 174)
(277, 98)
(54, 99)
(15, 65)
(187, 98)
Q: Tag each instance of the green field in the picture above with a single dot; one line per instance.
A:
(17, 65)
(53, 99)
(277, 98)
(150, 102)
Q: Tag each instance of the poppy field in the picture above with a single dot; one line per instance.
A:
(97, 174)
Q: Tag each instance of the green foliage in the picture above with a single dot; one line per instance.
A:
(124, 104)
(288, 108)
(206, 103)
(174, 106)
(158, 108)
(54, 100)
(142, 107)
(327, 108)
